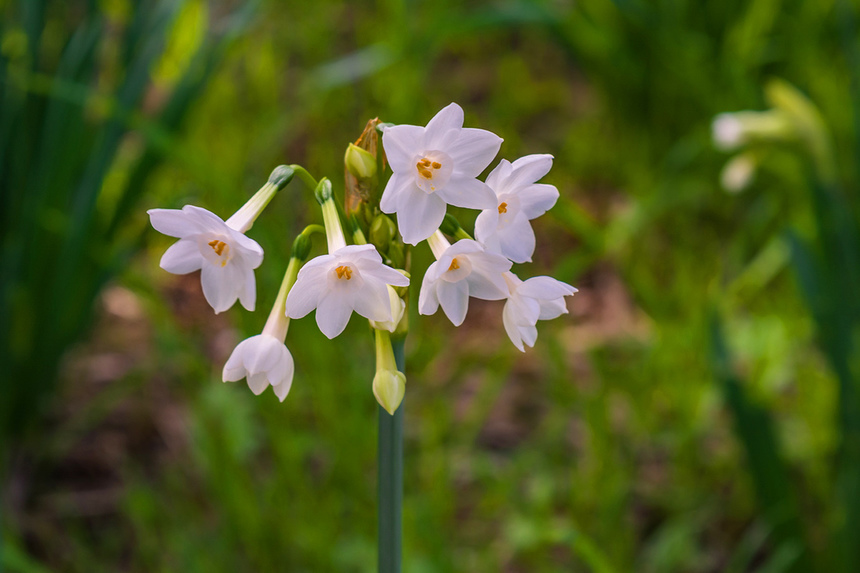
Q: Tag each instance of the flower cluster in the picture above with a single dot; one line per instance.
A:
(438, 165)
(433, 167)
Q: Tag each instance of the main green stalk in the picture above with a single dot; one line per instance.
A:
(390, 494)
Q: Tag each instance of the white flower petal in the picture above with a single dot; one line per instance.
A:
(248, 292)
(333, 314)
(524, 311)
(550, 309)
(234, 369)
(428, 302)
(182, 257)
(537, 199)
(257, 382)
(487, 280)
(372, 302)
(468, 192)
(205, 220)
(221, 285)
(511, 327)
(420, 216)
(529, 334)
(247, 249)
(529, 169)
(382, 273)
(398, 186)
(449, 118)
(173, 223)
(309, 287)
(485, 226)
(281, 390)
(401, 143)
(499, 174)
(473, 151)
(517, 240)
(454, 298)
(545, 288)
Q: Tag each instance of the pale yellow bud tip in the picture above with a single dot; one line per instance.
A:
(389, 387)
(360, 162)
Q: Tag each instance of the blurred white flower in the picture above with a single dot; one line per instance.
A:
(263, 360)
(225, 257)
(352, 278)
(435, 166)
(738, 173)
(461, 270)
(538, 298)
(505, 227)
(727, 131)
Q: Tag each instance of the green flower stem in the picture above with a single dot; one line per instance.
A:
(305, 176)
(390, 494)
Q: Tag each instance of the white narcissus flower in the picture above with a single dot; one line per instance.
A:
(225, 257)
(433, 167)
(505, 227)
(461, 270)
(263, 360)
(352, 278)
(538, 298)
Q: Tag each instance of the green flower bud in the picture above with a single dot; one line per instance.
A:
(323, 191)
(396, 254)
(281, 176)
(450, 225)
(360, 162)
(382, 231)
(302, 247)
(389, 387)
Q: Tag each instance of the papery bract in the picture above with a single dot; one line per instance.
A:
(225, 257)
(505, 228)
(352, 278)
(462, 270)
(435, 166)
(538, 298)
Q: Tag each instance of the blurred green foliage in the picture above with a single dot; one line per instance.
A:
(609, 447)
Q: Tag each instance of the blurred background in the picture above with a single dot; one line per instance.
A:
(695, 412)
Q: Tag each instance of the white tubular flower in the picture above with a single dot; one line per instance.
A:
(352, 278)
(461, 270)
(538, 298)
(505, 228)
(435, 166)
(263, 360)
(225, 257)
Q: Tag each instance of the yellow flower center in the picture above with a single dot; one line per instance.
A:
(343, 271)
(426, 168)
(454, 265)
(503, 208)
(221, 249)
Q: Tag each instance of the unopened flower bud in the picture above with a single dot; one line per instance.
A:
(382, 231)
(389, 387)
(450, 225)
(323, 191)
(396, 254)
(360, 162)
(281, 176)
(302, 247)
